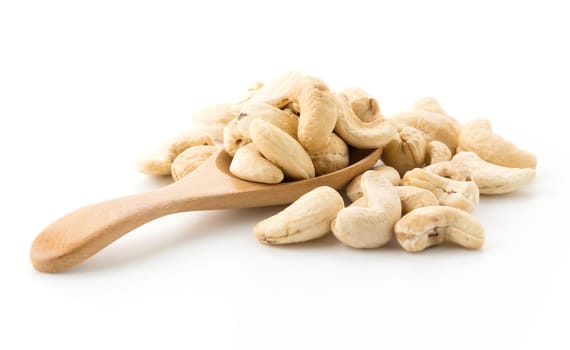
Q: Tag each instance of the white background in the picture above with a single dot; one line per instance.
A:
(88, 87)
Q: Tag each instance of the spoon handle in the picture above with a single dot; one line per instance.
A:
(78, 235)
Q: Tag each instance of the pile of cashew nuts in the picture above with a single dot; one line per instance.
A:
(423, 191)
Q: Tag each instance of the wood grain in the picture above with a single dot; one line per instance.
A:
(78, 235)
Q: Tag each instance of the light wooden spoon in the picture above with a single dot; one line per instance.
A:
(85, 231)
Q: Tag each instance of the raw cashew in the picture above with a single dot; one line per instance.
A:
(331, 158)
(236, 133)
(406, 151)
(491, 178)
(249, 164)
(190, 159)
(463, 195)
(477, 136)
(371, 226)
(281, 149)
(318, 113)
(213, 119)
(437, 125)
(450, 170)
(374, 134)
(316, 104)
(437, 152)
(428, 226)
(309, 217)
(365, 107)
(413, 197)
(284, 120)
(159, 161)
(354, 190)
(252, 89)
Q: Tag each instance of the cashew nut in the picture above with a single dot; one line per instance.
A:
(491, 178)
(236, 133)
(371, 226)
(477, 136)
(331, 158)
(354, 190)
(316, 104)
(213, 119)
(463, 195)
(428, 226)
(190, 159)
(309, 217)
(365, 107)
(374, 134)
(160, 160)
(249, 164)
(318, 113)
(428, 116)
(437, 152)
(413, 197)
(406, 151)
(281, 149)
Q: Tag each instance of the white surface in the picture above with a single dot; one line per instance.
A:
(86, 88)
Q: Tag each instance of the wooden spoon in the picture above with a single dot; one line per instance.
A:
(85, 231)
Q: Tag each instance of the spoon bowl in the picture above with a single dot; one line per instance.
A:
(80, 234)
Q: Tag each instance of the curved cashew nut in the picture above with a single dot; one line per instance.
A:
(374, 134)
(160, 160)
(248, 164)
(363, 105)
(331, 158)
(318, 113)
(437, 152)
(309, 217)
(187, 161)
(438, 126)
(463, 195)
(281, 149)
(316, 104)
(354, 190)
(406, 151)
(477, 136)
(424, 227)
(371, 226)
(491, 178)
